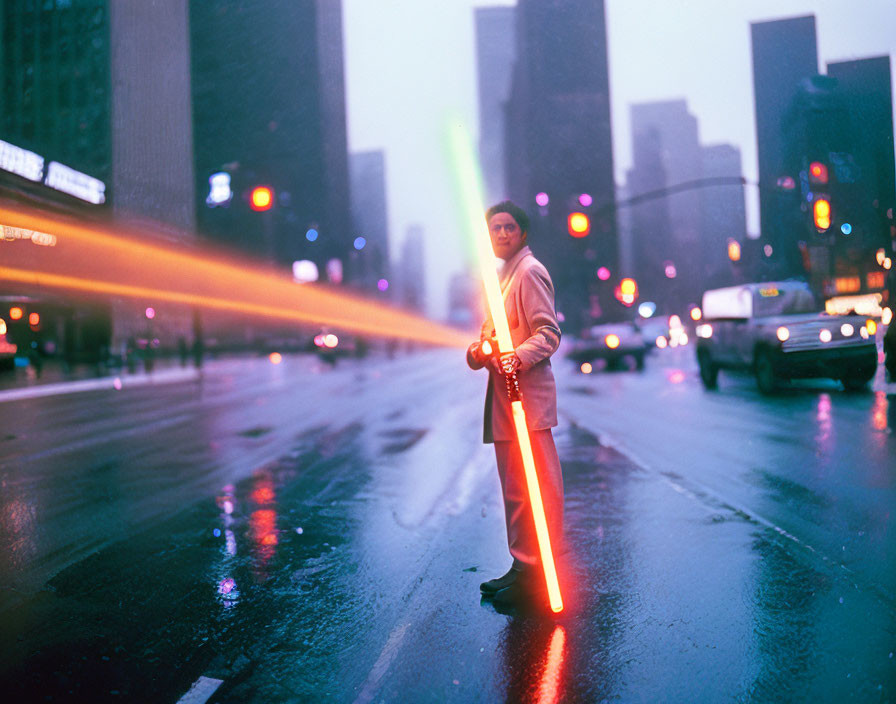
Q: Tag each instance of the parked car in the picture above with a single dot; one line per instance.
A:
(890, 351)
(777, 331)
(7, 350)
(612, 342)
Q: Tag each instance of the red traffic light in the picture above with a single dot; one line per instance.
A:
(578, 224)
(818, 172)
(261, 198)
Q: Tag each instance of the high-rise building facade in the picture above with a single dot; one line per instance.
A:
(558, 144)
(370, 258)
(866, 85)
(151, 117)
(56, 81)
(723, 215)
(784, 53)
(411, 283)
(86, 87)
(269, 110)
(671, 133)
(495, 54)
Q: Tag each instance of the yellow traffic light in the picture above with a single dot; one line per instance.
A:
(822, 213)
(262, 198)
(579, 224)
(734, 250)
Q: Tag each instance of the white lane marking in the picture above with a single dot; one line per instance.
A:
(381, 666)
(201, 691)
(71, 387)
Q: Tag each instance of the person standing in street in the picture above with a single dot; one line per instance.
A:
(529, 303)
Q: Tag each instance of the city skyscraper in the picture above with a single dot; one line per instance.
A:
(411, 282)
(558, 143)
(866, 85)
(269, 110)
(495, 43)
(784, 53)
(671, 135)
(152, 131)
(370, 218)
(723, 215)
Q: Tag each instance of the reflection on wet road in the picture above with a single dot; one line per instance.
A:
(303, 533)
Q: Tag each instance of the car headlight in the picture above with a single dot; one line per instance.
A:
(783, 333)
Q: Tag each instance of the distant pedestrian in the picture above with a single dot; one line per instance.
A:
(529, 304)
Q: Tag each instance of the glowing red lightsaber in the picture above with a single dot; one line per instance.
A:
(468, 183)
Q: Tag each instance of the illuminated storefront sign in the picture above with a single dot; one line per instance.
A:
(21, 162)
(58, 176)
(66, 179)
(9, 233)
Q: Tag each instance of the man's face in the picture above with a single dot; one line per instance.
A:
(507, 238)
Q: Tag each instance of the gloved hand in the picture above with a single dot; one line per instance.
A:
(506, 364)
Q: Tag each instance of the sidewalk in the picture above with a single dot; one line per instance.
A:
(24, 382)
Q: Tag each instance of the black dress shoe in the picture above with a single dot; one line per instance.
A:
(494, 585)
(528, 590)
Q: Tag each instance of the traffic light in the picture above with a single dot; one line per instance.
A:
(578, 224)
(626, 292)
(818, 172)
(821, 211)
(734, 250)
(261, 198)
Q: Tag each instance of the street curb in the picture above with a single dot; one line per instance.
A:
(107, 382)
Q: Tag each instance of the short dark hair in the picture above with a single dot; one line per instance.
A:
(512, 209)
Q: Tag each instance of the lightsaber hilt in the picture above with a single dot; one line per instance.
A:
(513, 382)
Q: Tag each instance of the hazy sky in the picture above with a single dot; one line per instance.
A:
(411, 62)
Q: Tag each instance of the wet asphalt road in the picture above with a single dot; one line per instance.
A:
(301, 533)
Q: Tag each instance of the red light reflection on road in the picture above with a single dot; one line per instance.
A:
(823, 417)
(549, 688)
(263, 493)
(675, 376)
(263, 525)
(879, 411)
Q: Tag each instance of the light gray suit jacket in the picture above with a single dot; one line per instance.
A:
(529, 304)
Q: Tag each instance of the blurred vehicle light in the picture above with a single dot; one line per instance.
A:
(872, 327)
(704, 331)
(612, 341)
(825, 335)
(783, 333)
(847, 330)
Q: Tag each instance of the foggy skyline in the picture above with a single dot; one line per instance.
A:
(409, 63)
